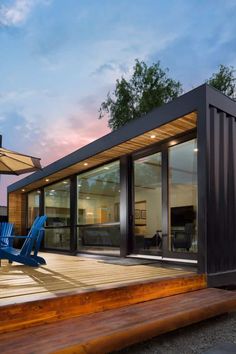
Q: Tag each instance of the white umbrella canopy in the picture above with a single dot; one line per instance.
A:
(14, 163)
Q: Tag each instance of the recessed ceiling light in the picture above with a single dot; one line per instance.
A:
(173, 143)
(153, 136)
(23, 190)
(86, 164)
(47, 180)
(65, 182)
(39, 192)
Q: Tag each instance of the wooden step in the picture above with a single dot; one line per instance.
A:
(32, 313)
(115, 329)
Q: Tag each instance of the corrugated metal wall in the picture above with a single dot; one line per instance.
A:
(221, 190)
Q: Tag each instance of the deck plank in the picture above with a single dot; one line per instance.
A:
(67, 273)
(117, 328)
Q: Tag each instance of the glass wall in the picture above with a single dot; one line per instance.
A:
(183, 197)
(57, 209)
(98, 209)
(33, 207)
(148, 204)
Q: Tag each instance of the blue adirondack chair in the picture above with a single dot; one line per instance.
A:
(32, 240)
(6, 230)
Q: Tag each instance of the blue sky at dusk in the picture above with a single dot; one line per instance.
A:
(58, 60)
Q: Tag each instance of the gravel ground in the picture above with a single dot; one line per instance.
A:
(194, 339)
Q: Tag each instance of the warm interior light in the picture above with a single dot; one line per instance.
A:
(85, 164)
(153, 136)
(23, 190)
(47, 180)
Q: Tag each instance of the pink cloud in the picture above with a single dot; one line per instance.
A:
(60, 138)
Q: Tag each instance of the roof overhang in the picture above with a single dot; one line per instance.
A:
(171, 119)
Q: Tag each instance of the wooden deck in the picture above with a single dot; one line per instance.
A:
(110, 330)
(99, 305)
(68, 274)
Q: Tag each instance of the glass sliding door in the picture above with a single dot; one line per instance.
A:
(148, 204)
(33, 207)
(98, 214)
(183, 197)
(57, 209)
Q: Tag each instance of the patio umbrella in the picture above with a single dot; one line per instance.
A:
(14, 163)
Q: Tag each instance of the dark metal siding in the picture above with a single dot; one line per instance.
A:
(221, 190)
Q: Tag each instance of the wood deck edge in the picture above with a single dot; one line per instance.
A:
(19, 316)
(141, 332)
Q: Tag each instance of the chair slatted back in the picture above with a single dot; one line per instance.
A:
(6, 229)
(32, 235)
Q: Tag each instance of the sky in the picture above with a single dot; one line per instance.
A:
(60, 58)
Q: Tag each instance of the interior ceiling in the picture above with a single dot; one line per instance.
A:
(178, 126)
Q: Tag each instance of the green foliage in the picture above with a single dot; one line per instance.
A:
(224, 80)
(149, 87)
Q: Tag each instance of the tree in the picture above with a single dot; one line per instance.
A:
(224, 80)
(147, 88)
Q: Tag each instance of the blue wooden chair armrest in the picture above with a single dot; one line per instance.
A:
(32, 240)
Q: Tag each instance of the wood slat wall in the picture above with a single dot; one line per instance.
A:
(17, 212)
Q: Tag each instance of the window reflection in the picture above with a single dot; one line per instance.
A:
(183, 196)
(148, 204)
(33, 206)
(98, 207)
(57, 209)
(57, 204)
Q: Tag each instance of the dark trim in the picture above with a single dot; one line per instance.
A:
(126, 215)
(165, 201)
(41, 202)
(202, 163)
(222, 278)
(73, 214)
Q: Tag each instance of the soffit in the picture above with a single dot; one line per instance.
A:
(171, 129)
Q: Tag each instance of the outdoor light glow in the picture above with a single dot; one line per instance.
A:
(79, 185)
(173, 143)
(23, 190)
(85, 164)
(39, 192)
(47, 180)
(196, 149)
(153, 136)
